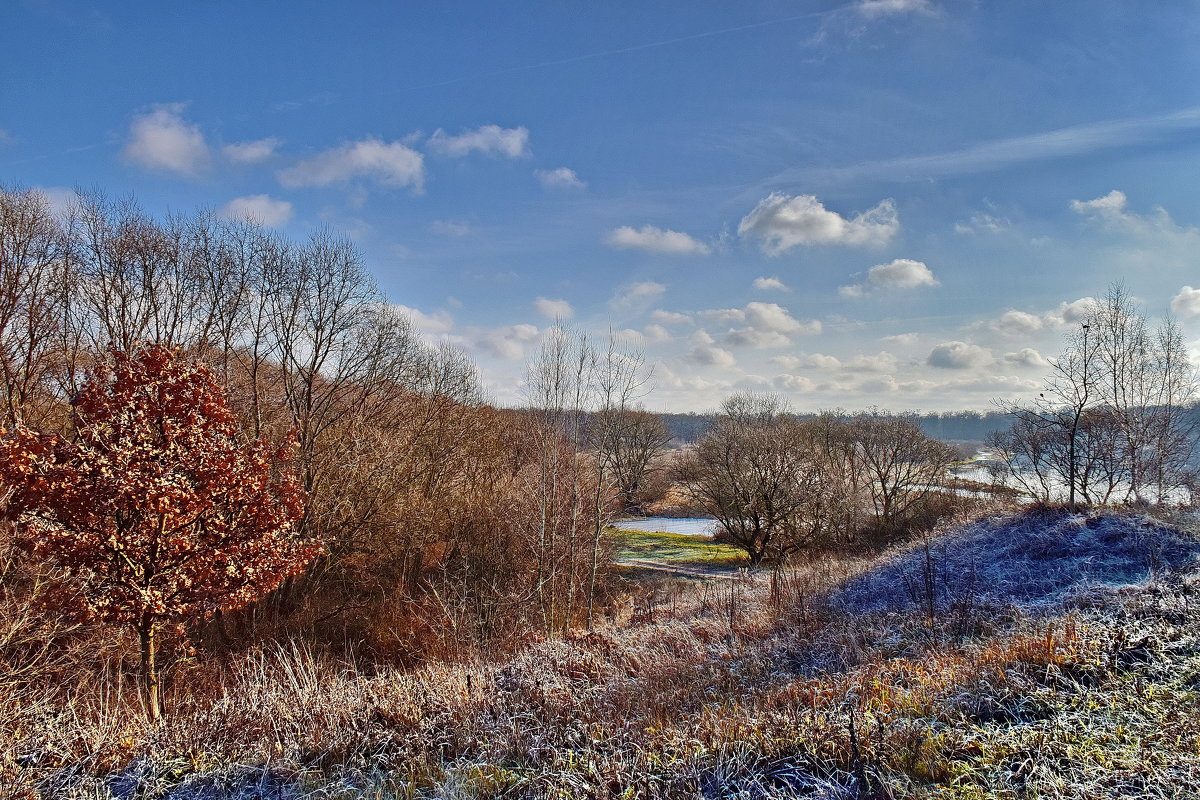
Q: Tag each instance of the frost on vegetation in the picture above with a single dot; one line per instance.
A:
(1037, 561)
(1057, 699)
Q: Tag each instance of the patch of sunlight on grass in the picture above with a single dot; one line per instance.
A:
(676, 549)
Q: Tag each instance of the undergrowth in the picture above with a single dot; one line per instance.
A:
(763, 688)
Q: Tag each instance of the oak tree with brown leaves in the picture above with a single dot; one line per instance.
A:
(157, 508)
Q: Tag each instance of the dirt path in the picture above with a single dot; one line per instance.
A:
(685, 572)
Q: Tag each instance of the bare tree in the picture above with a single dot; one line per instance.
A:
(900, 465)
(756, 474)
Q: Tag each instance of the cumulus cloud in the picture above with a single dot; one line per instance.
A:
(901, 338)
(450, 227)
(508, 343)
(260, 208)
(959, 355)
(1187, 302)
(162, 140)
(386, 163)
(439, 322)
(771, 284)
(670, 317)
(880, 362)
(251, 152)
(553, 309)
(1110, 206)
(636, 294)
(656, 334)
(705, 352)
(774, 317)
(655, 240)
(1026, 357)
(781, 222)
(755, 337)
(901, 273)
(1112, 211)
(1068, 315)
(766, 324)
(488, 139)
(561, 178)
(1017, 323)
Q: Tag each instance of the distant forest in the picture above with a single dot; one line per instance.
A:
(950, 426)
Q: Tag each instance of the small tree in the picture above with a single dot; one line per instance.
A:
(157, 509)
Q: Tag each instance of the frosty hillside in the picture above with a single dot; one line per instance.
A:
(1042, 561)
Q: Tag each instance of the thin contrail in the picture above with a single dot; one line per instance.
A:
(621, 50)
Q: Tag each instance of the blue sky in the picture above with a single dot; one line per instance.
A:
(872, 202)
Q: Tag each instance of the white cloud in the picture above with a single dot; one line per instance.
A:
(488, 139)
(782, 222)
(901, 338)
(1026, 357)
(983, 223)
(901, 273)
(1110, 206)
(705, 352)
(1068, 315)
(387, 163)
(817, 361)
(251, 152)
(656, 334)
(61, 199)
(1187, 302)
(959, 355)
(553, 309)
(162, 140)
(771, 284)
(753, 337)
(793, 383)
(5, 137)
(774, 317)
(882, 8)
(636, 294)
(508, 343)
(724, 315)
(655, 240)
(1111, 211)
(1017, 323)
(670, 317)
(260, 208)
(450, 227)
(439, 322)
(561, 178)
(880, 362)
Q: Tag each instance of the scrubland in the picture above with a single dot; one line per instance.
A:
(1032, 654)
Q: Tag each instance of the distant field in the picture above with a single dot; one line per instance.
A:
(676, 550)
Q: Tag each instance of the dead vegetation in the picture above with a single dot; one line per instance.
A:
(792, 684)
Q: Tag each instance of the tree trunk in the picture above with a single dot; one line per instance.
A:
(148, 637)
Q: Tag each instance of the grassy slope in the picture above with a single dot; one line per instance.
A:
(817, 690)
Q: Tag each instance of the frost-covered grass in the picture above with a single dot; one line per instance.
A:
(779, 688)
(1043, 557)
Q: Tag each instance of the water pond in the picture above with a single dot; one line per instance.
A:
(690, 526)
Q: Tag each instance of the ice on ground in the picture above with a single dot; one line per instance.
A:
(691, 526)
(1034, 559)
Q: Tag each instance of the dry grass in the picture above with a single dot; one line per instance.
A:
(760, 689)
